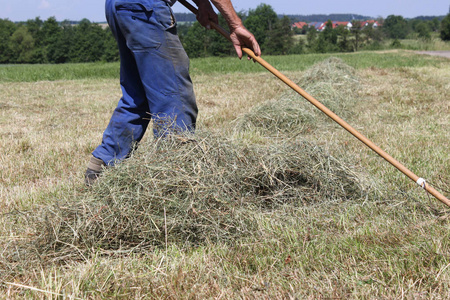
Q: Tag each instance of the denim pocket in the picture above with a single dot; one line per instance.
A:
(164, 15)
(138, 25)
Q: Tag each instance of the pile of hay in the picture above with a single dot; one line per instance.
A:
(187, 193)
(286, 117)
(332, 82)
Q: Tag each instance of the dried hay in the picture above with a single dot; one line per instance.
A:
(184, 192)
(187, 192)
(332, 82)
(274, 118)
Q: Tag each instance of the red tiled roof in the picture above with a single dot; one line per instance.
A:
(336, 24)
(299, 24)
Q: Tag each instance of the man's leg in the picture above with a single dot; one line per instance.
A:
(164, 70)
(130, 118)
(154, 77)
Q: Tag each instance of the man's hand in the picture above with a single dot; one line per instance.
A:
(241, 37)
(206, 13)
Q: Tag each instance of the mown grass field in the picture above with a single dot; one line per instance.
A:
(391, 244)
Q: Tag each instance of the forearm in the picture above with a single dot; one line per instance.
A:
(227, 10)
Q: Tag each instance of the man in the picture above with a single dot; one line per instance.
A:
(154, 73)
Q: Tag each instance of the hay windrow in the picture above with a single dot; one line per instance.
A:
(188, 193)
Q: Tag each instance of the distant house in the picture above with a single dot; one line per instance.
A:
(316, 25)
(346, 25)
(299, 25)
(322, 27)
(374, 23)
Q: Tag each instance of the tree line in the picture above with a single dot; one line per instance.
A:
(276, 35)
(37, 41)
(49, 41)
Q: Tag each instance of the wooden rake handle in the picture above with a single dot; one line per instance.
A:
(329, 113)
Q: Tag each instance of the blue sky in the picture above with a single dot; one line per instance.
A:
(20, 10)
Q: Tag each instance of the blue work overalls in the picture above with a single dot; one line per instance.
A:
(154, 77)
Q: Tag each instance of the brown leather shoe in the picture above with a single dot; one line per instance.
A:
(94, 169)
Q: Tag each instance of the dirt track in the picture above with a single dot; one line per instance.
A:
(436, 53)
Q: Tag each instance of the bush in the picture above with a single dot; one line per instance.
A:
(445, 28)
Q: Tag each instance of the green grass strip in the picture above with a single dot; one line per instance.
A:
(216, 65)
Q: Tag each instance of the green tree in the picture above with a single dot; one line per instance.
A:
(414, 22)
(396, 27)
(260, 21)
(327, 41)
(423, 31)
(373, 33)
(218, 45)
(329, 34)
(344, 44)
(279, 39)
(182, 29)
(88, 45)
(356, 31)
(21, 44)
(7, 28)
(34, 28)
(298, 30)
(321, 46)
(372, 37)
(199, 42)
(434, 24)
(63, 45)
(311, 37)
(111, 52)
(445, 28)
(51, 34)
(196, 41)
(298, 48)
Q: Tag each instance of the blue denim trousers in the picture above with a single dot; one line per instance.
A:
(154, 77)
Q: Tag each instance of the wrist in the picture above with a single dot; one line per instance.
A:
(235, 24)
